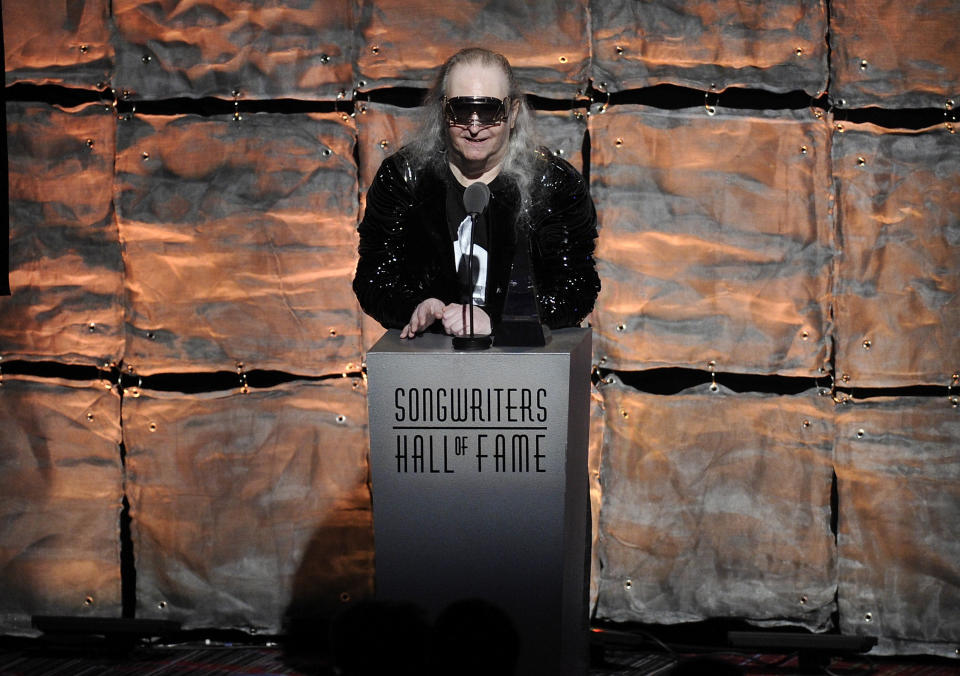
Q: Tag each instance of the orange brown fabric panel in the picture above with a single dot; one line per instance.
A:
(898, 280)
(57, 42)
(239, 243)
(234, 49)
(250, 508)
(403, 41)
(561, 132)
(382, 129)
(594, 462)
(716, 240)
(779, 45)
(898, 476)
(894, 54)
(66, 272)
(716, 504)
(60, 495)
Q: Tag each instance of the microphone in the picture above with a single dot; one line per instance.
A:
(475, 200)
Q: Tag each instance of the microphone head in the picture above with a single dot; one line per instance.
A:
(476, 197)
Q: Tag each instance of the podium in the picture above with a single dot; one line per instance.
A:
(480, 491)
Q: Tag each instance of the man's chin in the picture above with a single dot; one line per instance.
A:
(474, 152)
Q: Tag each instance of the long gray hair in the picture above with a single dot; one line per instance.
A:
(429, 147)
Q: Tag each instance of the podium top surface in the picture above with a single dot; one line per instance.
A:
(562, 341)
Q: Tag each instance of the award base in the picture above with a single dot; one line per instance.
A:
(472, 343)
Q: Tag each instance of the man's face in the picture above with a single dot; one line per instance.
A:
(477, 148)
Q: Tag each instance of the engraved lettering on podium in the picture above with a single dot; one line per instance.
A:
(445, 430)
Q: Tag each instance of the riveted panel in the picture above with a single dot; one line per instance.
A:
(898, 479)
(250, 509)
(66, 273)
(546, 42)
(898, 280)
(56, 42)
(61, 485)
(894, 54)
(239, 243)
(716, 239)
(234, 49)
(777, 45)
(716, 504)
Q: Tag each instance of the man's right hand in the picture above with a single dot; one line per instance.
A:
(425, 314)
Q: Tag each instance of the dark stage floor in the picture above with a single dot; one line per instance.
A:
(34, 657)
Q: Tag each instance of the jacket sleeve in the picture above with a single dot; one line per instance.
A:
(563, 238)
(387, 288)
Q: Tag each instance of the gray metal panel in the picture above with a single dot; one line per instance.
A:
(461, 523)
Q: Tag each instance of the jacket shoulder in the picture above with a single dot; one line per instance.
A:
(552, 167)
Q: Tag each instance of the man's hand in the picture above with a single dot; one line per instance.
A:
(456, 320)
(425, 314)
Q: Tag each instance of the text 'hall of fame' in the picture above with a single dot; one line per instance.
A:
(446, 430)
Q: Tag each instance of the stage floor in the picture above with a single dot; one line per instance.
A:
(28, 658)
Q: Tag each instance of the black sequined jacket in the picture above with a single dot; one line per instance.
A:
(406, 247)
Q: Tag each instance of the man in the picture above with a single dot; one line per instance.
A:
(412, 272)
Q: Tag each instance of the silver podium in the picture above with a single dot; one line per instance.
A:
(479, 470)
